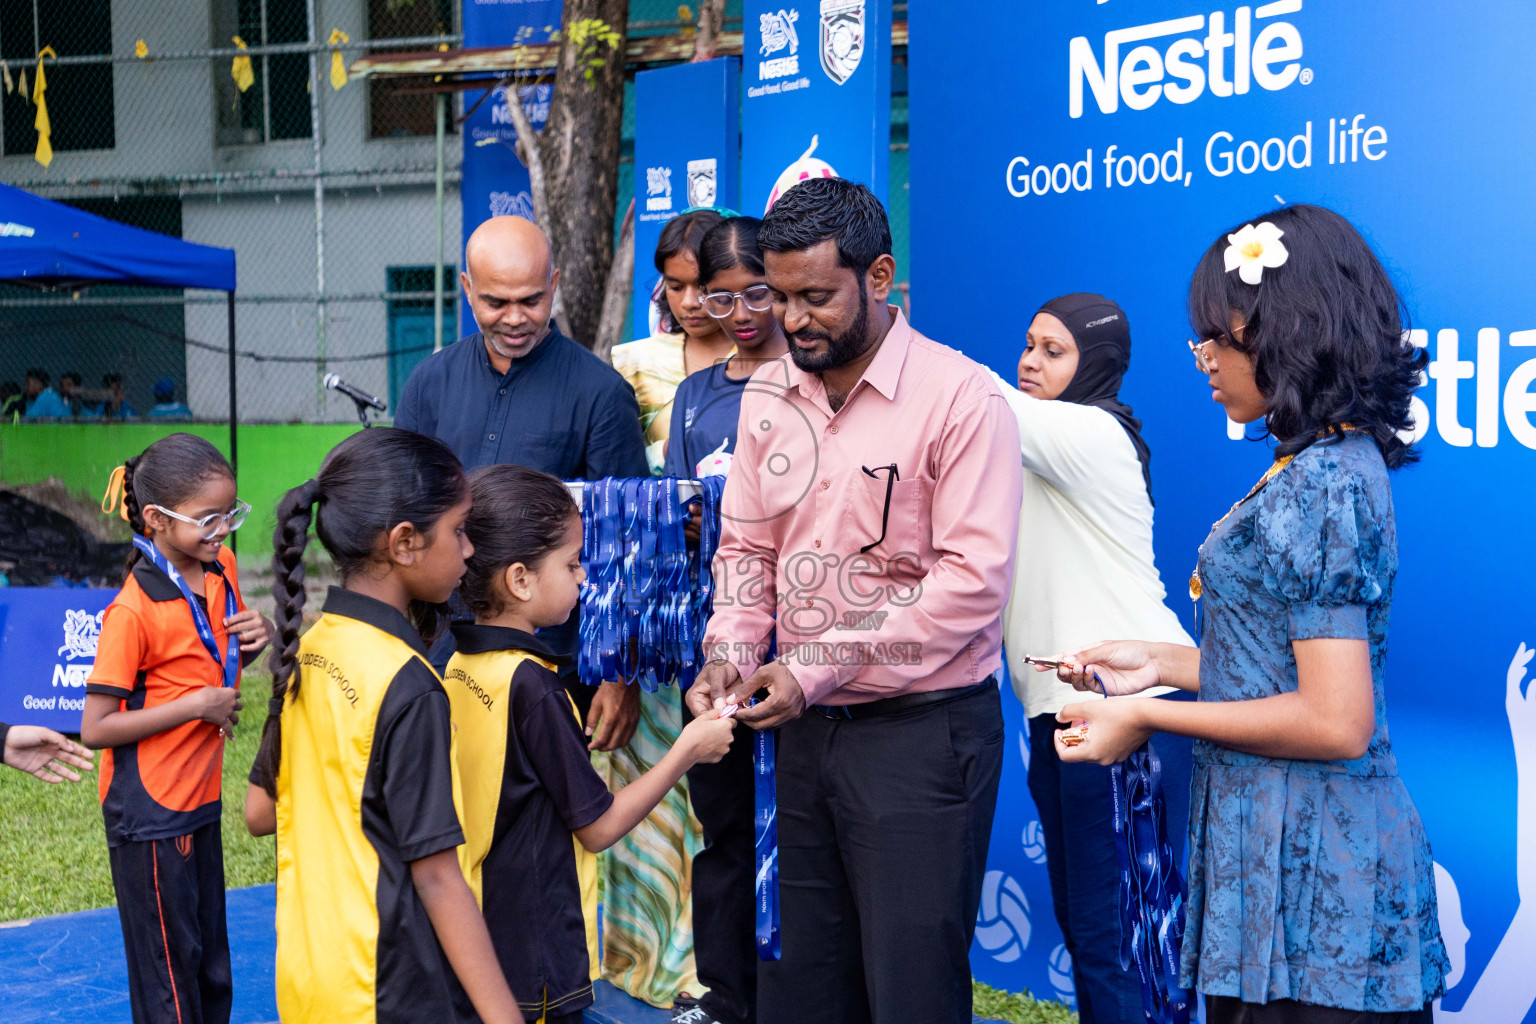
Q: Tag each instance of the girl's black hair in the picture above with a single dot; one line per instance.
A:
(1326, 331)
(369, 484)
(683, 233)
(516, 515)
(730, 244)
(167, 473)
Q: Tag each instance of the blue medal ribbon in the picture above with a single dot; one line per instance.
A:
(1151, 890)
(629, 591)
(766, 834)
(650, 665)
(230, 661)
(675, 598)
(601, 629)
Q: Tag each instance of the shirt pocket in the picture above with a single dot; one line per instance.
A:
(549, 451)
(907, 526)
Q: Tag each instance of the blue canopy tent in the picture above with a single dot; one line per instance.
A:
(53, 247)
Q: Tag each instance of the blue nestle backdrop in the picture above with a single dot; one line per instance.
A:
(678, 169)
(817, 77)
(47, 649)
(1081, 145)
(495, 182)
(508, 22)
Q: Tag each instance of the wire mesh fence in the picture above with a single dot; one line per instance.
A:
(221, 122)
(231, 123)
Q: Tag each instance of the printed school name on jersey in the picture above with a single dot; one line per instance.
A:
(324, 665)
(1272, 58)
(473, 687)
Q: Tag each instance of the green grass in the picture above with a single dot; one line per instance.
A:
(54, 847)
(54, 851)
(1019, 1008)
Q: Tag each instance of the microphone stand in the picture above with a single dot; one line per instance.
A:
(362, 411)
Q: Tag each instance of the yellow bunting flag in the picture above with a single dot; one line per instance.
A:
(5, 69)
(338, 69)
(21, 86)
(141, 49)
(240, 69)
(44, 154)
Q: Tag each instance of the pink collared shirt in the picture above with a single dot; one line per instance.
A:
(920, 610)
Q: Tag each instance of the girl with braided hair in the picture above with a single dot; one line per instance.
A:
(162, 696)
(356, 771)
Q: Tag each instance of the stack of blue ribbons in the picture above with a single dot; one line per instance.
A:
(648, 596)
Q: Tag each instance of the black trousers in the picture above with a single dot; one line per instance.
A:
(170, 899)
(724, 873)
(883, 830)
(1231, 1010)
(1077, 824)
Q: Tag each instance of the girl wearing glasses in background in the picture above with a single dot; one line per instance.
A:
(687, 339)
(647, 933)
(163, 695)
(1085, 571)
(1311, 887)
(703, 438)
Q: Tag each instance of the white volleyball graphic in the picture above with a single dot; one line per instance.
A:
(1060, 971)
(1002, 926)
(1034, 842)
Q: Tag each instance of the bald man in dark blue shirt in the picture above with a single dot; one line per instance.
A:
(521, 392)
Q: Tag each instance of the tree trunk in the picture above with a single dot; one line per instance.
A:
(711, 19)
(621, 282)
(579, 148)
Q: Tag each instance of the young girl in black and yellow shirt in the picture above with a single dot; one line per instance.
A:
(356, 772)
(535, 812)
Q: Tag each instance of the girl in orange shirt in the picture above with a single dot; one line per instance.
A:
(160, 700)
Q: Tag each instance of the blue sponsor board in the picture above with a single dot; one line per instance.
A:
(1113, 145)
(687, 137)
(508, 22)
(47, 650)
(817, 80)
(495, 182)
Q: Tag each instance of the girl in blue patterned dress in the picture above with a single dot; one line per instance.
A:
(1311, 888)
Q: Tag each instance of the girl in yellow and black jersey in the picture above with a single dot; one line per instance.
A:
(535, 812)
(356, 772)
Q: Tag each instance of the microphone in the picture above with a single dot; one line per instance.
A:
(358, 395)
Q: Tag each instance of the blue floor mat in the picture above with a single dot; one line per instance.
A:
(71, 968)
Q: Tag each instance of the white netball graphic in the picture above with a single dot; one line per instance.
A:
(1002, 926)
(1034, 842)
(1506, 987)
(1060, 971)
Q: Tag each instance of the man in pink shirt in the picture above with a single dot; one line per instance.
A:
(869, 526)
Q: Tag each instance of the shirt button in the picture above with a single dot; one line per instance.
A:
(810, 604)
(818, 543)
(825, 484)
(492, 436)
(832, 429)
(502, 391)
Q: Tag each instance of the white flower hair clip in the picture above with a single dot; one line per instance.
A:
(1253, 248)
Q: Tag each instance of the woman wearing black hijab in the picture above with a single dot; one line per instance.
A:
(1084, 571)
